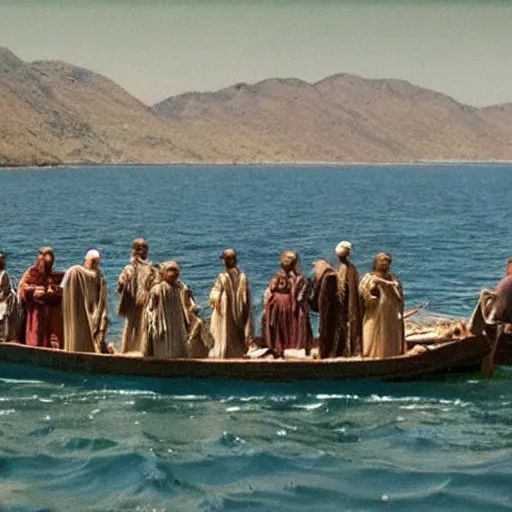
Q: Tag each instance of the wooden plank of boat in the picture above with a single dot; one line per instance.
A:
(502, 356)
(442, 357)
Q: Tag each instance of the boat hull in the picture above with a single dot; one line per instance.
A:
(441, 358)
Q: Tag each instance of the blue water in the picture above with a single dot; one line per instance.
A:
(89, 443)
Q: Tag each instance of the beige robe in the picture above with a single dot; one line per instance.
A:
(164, 322)
(232, 323)
(133, 284)
(84, 309)
(383, 325)
(9, 309)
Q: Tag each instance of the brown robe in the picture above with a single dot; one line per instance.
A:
(43, 315)
(231, 323)
(494, 307)
(336, 299)
(286, 321)
(133, 285)
(383, 324)
(85, 310)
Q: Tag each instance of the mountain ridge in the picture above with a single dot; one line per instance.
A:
(55, 113)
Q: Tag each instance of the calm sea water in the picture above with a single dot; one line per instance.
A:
(89, 443)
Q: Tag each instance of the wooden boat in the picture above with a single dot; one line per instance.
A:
(464, 354)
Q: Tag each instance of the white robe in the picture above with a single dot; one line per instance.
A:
(383, 325)
(9, 309)
(231, 324)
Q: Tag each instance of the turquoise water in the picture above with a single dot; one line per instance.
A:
(88, 443)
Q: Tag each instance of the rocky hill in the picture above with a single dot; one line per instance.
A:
(53, 112)
(341, 118)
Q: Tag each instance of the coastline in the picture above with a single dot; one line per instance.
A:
(309, 164)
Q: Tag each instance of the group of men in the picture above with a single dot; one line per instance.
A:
(70, 310)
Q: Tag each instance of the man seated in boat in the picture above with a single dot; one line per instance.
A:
(494, 307)
(85, 306)
(9, 306)
(41, 296)
(231, 324)
(171, 325)
(336, 299)
(383, 302)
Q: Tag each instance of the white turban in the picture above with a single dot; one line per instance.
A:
(92, 254)
(342, 247)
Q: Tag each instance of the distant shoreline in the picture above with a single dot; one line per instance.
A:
(419, 163)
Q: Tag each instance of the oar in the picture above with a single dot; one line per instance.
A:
(487, 367)
(412, 312)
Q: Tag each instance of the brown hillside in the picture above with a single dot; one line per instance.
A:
(52, 112)
(341, 118)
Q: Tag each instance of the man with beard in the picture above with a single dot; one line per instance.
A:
(172, 328)
(230, 298)
(286, 322)
(9, 310)
(41, 297)
(336, 299)
(133, 285)
(85, 306)
(383, 300)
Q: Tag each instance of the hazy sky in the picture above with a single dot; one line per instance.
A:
(159, 48)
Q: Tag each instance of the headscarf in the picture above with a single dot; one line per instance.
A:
(342, 247)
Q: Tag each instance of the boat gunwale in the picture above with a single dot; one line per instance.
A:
(458, 353)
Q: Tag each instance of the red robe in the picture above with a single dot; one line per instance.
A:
(286, 319)
(43, 315)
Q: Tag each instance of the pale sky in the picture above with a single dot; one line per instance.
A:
(160, 48)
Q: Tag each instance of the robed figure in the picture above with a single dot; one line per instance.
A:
(41, 297)
(231, 323)
(85, 306)
(172, 327)
(9, 306)
(133, 285)
(383, 302)
(494, 308)
(336, 299)
(286, 320)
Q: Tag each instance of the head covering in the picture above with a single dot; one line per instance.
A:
(138, 243)
(92, 254)
(320, 267)
(46, 249)
(289, 257)
(228, 253)
(170, 265)
(343, 246)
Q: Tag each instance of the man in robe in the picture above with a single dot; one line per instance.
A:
(171, 324)
(231, 323)
(383, 302)
(85, 306)
(9, 310)
(336, 299)
(133, 285)
(41, 297)
(286, 323)
(494, 307)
